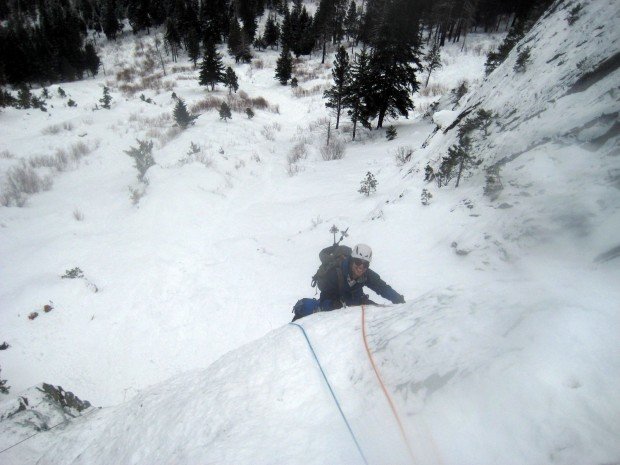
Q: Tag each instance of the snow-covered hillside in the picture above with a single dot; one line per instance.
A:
(504, 353)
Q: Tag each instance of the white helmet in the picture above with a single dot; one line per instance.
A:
(363, 252)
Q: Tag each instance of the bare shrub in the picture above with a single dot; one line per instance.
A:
(6, 155)
(300, 92)
(62, 158)
(78, 215)
(304, 72)
(136, 193)
(403, 155)
(269, 131)
(260, 103)
(320, 124)
(197, 157)
(302, 136)
(298, 152)
(169, 134)
(293, 168)
(206, 104)
(258, 64)
(334, 150)
(126, 74)
(433, 89)
(22, 179)
(56, 128)
(181, 69)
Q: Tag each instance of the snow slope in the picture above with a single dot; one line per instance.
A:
(504, 353)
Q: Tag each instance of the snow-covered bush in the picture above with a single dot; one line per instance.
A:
(368, 185)
(143, 158)
(334, 150)
(20, 180)
(4, 389)
(403, 155)
(298, 152)
(56, 128)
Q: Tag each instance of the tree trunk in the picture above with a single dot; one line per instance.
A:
(381, 117)
(458, 178)
(338, 113)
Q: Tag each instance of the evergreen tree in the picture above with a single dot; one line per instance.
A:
(286, 31)
(106, 99)
(225, 112)
(4, 389)
(138, 15)
(111, 26)
(234, 37)
(272, 32)
(358, 91)
(214, 19)
(172, 38)
(336, 95)
(143, 157)
(24, 97)
(368, 184)
(284, 66)
(394, 62)
(91, 58)
(522, 60)
(351, 22)
(249, 112)
(158, 12)
(193, 45)
(302, 37)
(231, 80)
(211, 69)
(433, 61)
(182, 116)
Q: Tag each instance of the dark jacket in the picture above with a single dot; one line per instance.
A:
(338, 293)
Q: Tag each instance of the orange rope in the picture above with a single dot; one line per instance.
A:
(385, 391)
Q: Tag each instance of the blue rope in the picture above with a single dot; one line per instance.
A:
(331, 390)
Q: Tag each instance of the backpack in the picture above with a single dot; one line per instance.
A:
(331, 257)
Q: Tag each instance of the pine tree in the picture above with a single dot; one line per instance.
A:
(368, 184)
(341, 74)
(272, 32)
(111, 26)
(433, 60)
(24, 97)
(391, 133)
(225, 112)
(234, 37)
(522, 60)
(182, 116)
(351, 22)
(92, 60)
(193, 45)
(211, 69)
(4, 389)
(231, 80)
(106, 99)
(142, 156)
(394, 62)
(284, 66)
(138, 15)
(358, 91)
(172, 38)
